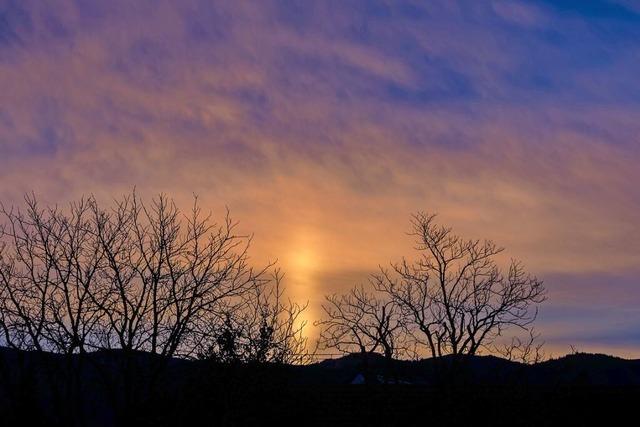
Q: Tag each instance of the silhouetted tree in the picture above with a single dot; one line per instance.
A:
(455, 298)
(133, 277)
(165, 273)
(527, 349)
(49, 262)
(361, 322)
(261, 327)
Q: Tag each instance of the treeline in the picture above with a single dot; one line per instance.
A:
(148, 277)
(112, 295)
(453, 299)
(120, 292)
(139, 277)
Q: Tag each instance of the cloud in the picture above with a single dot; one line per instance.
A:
(521, 13)
(324, 126)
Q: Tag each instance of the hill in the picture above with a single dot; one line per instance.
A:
(112, 388)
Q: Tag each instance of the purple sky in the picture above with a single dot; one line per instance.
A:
(323, 125)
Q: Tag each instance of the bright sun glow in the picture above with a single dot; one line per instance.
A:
(302, 266)
(304, 261)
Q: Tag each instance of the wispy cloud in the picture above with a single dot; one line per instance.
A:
(323, 126)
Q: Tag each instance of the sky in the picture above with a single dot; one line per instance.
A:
(322, 125)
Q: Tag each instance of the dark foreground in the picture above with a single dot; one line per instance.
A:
(104, 389)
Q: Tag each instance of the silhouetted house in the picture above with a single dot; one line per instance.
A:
(378, 379)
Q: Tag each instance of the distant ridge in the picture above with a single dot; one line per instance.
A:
(53, 389)
(572, 369)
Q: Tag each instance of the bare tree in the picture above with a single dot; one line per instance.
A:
(455, 297)
(360, 322)
(165, 272)
(261, 327)
(133, 276)
(49, 261)
(528, 349)
(137, 277)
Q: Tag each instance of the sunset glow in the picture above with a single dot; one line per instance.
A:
(323, 127)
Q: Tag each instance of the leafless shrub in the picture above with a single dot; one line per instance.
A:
(529, 350)
(361, 322)
(262, 327)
